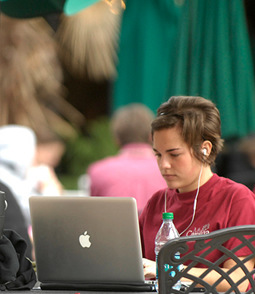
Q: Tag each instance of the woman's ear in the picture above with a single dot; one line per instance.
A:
(206, 147)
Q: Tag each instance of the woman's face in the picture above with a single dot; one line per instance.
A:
(177, 165)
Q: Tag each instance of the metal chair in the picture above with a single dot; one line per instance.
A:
(202, 245)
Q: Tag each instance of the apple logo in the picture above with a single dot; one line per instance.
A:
(84, 240)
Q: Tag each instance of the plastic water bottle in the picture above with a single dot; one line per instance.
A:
(166, 232)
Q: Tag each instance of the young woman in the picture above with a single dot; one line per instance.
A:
(186, 140)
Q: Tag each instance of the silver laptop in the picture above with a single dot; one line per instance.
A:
(83, 242)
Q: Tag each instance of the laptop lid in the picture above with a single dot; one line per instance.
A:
(86, 240)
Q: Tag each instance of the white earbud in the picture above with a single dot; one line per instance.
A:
(204, 151)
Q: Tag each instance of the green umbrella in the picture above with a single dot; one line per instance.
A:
(213, 59)
(200, 49)
(33, 8)
(148, 33)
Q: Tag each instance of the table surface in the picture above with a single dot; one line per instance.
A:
(77, 292)
(38, 291)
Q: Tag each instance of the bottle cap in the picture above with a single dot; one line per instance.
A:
(168, 215)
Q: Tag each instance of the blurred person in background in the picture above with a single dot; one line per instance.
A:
(17, 151)
(237, 162)
(133, 172)
(247, 147)
(49, 151)
(17, 157)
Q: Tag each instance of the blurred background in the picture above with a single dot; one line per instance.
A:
(66, 66)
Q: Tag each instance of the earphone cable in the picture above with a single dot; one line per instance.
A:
(195, 201)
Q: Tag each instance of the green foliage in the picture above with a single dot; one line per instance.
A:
(83, 150)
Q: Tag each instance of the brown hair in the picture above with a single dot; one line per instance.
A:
(198, 119)
(131, 124)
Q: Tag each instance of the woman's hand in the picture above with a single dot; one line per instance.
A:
(149, 269)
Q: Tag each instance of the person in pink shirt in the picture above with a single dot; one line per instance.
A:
(133, 172)
(186, 140)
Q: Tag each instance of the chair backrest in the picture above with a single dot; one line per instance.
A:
(194, 251)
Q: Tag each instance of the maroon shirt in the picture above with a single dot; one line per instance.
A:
(221, 203)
